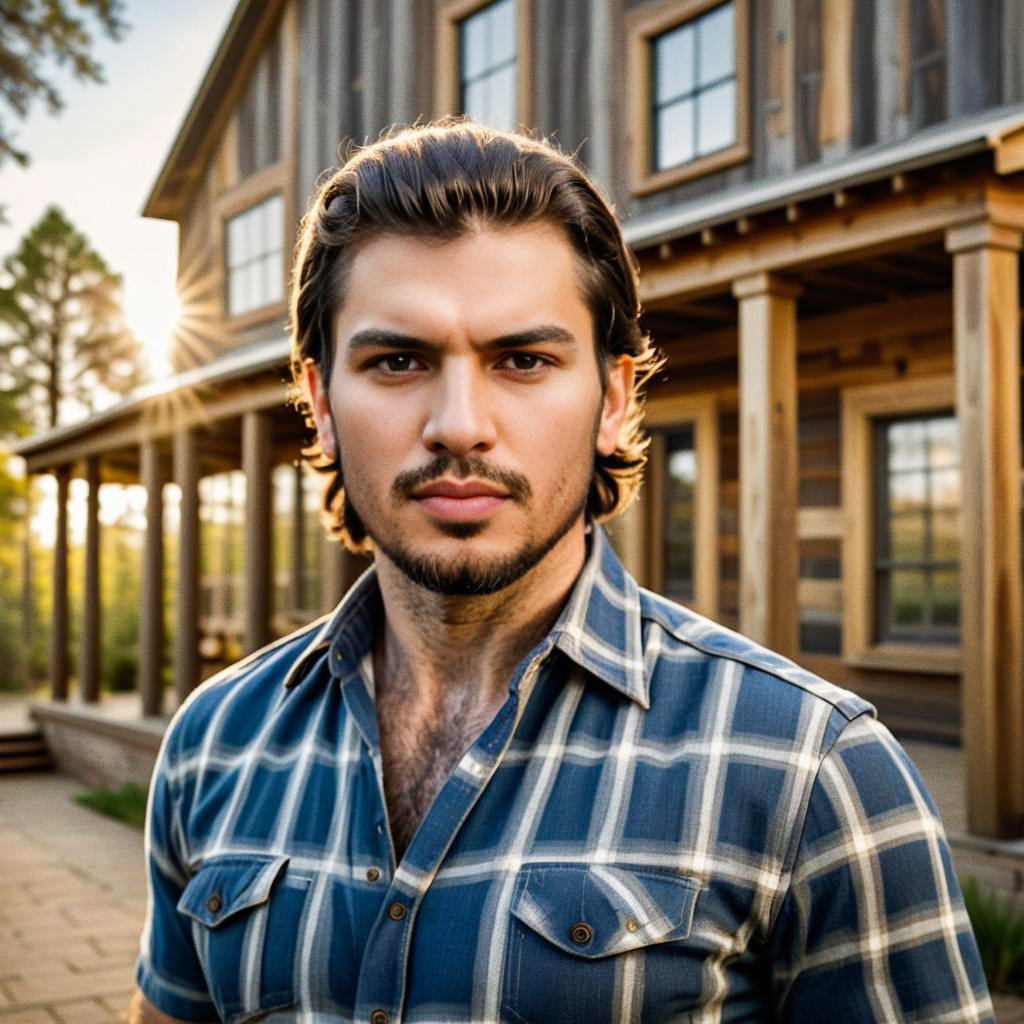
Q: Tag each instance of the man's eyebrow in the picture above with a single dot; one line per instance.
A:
(373, 337)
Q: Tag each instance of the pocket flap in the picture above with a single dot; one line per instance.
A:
(599, 910)
(225, 885)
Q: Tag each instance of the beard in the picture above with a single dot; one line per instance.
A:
(471, 574)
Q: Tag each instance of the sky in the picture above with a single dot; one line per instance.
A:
(98, 160)
(99, 157)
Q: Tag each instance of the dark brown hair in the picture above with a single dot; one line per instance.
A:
(439, 181)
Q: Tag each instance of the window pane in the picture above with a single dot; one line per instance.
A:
(674, 64)
(235, 298)
(251, 230)
(473, 32)
(944, 438)
(680, 481)
(273, 278)
(716, 45)
(907, 445)
(946, 599)
(502, 98)
(674, 134)
(946, 536)
(908, 598)
(474, 100)
(236, 241)
(253, 286)
(946, 488)
(907, 538)
(716, 118)
(908, 492)
(273, 237)
(502, 35)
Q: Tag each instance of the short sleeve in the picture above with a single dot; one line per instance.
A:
(873, 926)
(168, 971)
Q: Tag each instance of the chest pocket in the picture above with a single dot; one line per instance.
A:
(583, 938)
(239, 906)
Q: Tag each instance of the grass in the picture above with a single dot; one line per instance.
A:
(126, 803)
(999, 929)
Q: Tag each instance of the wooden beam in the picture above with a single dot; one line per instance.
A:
(186, 634)
(835, 126)
(256, 447)
(986, 333)
(89, 670)
(151, 617)
(59, 626)
(769, 568)
(838, 236)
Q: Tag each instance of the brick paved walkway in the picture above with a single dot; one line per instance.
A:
(72, 897)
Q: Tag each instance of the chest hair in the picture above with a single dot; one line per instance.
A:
(419, 750)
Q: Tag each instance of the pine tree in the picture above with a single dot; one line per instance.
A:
(63, 340)
(33, 32)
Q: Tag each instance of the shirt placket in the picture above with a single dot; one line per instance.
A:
(382, 977)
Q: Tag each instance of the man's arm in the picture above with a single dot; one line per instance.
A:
(142, 1011)
(873, 925)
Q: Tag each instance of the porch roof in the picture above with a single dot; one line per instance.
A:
(240, 362)
(1000, 131)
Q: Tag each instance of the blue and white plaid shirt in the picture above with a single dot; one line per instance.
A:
(664, 822)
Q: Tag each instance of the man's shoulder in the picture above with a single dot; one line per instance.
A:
(764, 677)
(249, 689)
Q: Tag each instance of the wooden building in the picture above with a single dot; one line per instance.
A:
(827, 202)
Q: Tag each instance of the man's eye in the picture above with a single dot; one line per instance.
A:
(524, 361)
(397, 362)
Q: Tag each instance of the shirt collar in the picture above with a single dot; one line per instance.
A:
(599, 628)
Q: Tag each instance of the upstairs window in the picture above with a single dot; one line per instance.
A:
(259, 113)
(918, 532)
(688, 80)
(255, 257)
(488, 64)
(927, 62)
(694, 67)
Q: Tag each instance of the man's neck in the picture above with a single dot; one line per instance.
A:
(435, 647)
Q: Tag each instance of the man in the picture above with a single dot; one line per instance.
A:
(500, 782)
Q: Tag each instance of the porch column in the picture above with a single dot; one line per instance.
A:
(151, 618)
(298, 538)
(986, 337)
(186, 635)
(256, 463)
(768, 460)
(340, 570)
(89, 670)
(59, 632)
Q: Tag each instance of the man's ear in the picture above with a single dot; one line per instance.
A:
(320, 407)
(617, 393)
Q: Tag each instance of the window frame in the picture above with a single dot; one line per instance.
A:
(449, 75)
(644, 26)
(265, 185)
(863, 407)
(664, 414)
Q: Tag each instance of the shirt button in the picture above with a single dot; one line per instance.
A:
(396, 911)
(214, 902)
(378, 1017)
(581, 933)
(372, 874)
(632, 924)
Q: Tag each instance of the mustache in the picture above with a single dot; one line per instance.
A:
(516, 484)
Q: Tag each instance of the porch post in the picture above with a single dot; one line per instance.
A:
(151, 619)
(256, 463)
(186, 635)
(986, 337)
(59, 633)
(89, 670)
(298, 538)
(768, 460)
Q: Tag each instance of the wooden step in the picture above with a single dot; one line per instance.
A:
(23, 751)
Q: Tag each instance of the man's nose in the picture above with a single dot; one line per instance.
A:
(460, 419)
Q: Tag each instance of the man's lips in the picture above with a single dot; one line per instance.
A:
(460, 500)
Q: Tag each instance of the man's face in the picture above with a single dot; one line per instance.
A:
(468, 402)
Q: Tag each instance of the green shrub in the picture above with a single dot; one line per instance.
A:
(126, 803)
(999, 929)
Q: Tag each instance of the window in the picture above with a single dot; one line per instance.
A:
(255, 257)
(680, 470)
(918, 532)
(483, 58)
(259, 113)
(694, 69)
(487, 65)
(928, 61)
(901, 530)
(688, 82)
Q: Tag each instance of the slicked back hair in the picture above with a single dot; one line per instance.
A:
(440, 181)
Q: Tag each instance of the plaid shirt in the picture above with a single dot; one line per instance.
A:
(664, 822)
